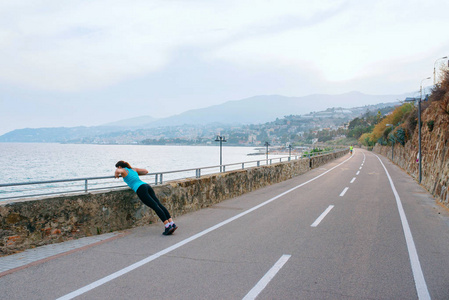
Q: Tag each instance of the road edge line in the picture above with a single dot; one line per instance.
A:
(420, 282)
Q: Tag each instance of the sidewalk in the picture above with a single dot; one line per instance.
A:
(30, 256)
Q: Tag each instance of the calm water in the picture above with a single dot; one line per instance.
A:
(24, 162)
(28, 162)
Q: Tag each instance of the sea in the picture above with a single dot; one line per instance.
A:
(31, 162)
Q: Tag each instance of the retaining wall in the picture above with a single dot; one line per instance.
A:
(31, 223)
(435, 154)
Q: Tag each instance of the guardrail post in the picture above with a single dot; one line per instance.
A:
(161, 178)
(224, 168)
(243, 166)
(85, 185)
(155, 181)
(258, 163)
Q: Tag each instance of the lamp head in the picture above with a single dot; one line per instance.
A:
(220, 138)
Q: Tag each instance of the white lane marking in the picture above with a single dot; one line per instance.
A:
(258, 288)
(344, 192)
(360, 168)
(358, 172)
(353, 179)
(322, 216)
(144, 261)
(420, 282)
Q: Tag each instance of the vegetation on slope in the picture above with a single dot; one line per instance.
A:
(399, 126)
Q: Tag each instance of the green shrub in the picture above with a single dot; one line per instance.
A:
(430, 125)
(401, 136)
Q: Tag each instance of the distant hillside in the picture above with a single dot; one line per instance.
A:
(54, 134)
(261, 109)
(254, 110)
(131, 123)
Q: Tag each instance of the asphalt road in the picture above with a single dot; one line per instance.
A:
(342, 231)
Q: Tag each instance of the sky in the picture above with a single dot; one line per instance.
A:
(90, 62)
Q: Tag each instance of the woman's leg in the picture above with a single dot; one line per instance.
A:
(154, 197)
(144, 192)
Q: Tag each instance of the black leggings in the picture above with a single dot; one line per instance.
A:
(148, 197)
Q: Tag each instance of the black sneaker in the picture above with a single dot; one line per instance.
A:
(174, 227)
(168, 230)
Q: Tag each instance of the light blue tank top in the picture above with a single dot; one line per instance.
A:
(133, 180)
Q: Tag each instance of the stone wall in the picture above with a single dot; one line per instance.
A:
(32, 223)
(435, 154)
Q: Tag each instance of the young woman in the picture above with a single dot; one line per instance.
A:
(145, 193)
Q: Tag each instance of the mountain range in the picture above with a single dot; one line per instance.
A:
(253, 110)
(261, 109)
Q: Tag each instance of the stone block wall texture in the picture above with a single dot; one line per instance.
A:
(32, 223)
(435, 154)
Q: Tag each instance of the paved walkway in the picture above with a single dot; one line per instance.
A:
(30, 256)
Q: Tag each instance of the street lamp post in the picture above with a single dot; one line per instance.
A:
(434, 69)
(266, 145)
(419, 130)
(289, 151)
(392, 140)
(221, 139)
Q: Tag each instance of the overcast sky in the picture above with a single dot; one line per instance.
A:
(89, 62)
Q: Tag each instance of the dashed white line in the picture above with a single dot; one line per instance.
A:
(353, 179)
(258, 288)
(358, 172)
(322, 216)
(344, 191)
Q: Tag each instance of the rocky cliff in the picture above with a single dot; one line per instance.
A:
(434, 148)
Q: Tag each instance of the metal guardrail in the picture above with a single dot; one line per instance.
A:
(23, 190)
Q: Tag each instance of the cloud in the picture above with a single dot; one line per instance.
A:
(352, 41)
(77, 48)
(70, 46)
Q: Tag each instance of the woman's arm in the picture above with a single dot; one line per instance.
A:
(141, 171)
(120, 172)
